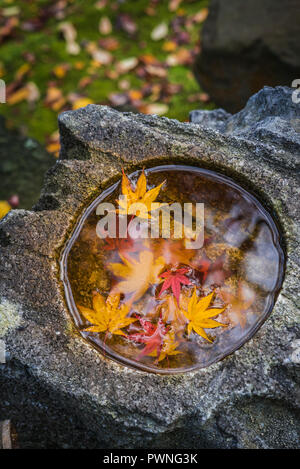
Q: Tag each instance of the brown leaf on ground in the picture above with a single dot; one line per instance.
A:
(159, 32)
(18, 96)
(118, 99)
(109, 43)
(105, 26)
(174, 4)
(156, 71)
(54, 98)
(155, 108)
(8, 28)
(201, 15)
(70, 34)
(127, 24)
(126, 65)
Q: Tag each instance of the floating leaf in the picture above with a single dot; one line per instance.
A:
(173, 279)
(139, 195)
(107, 315)
(199, 315)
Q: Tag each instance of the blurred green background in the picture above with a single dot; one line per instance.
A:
(132, 55)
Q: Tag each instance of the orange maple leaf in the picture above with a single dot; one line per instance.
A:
(138, 196)
(138, 274)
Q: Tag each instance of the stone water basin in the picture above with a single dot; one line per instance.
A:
(154, 303)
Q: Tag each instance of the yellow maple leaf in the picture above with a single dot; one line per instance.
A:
(168, 348)
(138, 196)
(107, 315)
(199, 315)
(4, 208)
(138, 274)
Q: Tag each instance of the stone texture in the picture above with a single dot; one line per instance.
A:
(57, 389)
(23, 163)
(246, 45)
(270, 116)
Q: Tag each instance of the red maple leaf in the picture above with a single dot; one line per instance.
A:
(152, 337)
(173, 279)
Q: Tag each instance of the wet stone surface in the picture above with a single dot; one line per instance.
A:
(74, 396)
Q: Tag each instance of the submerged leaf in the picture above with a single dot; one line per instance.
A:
(138, 274)
(239, 302)
(152, 337)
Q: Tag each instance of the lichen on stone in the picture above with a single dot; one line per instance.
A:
(10, 316)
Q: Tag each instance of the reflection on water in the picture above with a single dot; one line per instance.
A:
(155, 305)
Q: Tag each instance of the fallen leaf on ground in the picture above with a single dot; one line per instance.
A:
(101, 56)
(8, 28)
(118, 99)
(22, 71)
(70, 34)
(127, 24)
(169, 46)
(81, 102)
(18, 96)
(105, 26)
(159, 32)
(60, 70)
(156, 71)
(4, 208)
(156, 108)
(201, 15)
(174, 4)
(109, 43)
(126, 65)
(54, 98)
(33, 92)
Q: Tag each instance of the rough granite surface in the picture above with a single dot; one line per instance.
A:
(57, 389)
